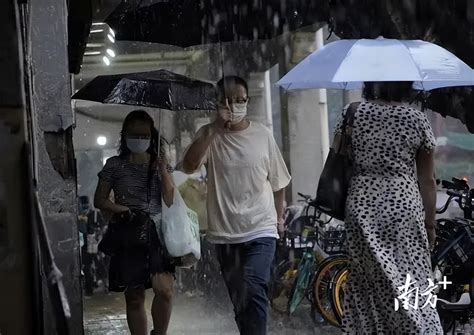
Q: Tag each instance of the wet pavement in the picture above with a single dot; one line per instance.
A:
(104, 314)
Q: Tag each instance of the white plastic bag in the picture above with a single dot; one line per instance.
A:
(180, 227)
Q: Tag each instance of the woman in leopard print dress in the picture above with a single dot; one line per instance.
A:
(390, 215)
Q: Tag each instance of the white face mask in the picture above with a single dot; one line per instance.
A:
(137, 145)
(239, 111)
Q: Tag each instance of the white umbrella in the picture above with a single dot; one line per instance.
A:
(347, 64)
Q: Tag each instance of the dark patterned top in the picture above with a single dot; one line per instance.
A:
(130, 184)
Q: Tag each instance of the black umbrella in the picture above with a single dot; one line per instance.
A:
(187, 23)
(193, 22)
(161, 89)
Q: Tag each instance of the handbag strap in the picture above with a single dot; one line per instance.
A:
(347, 125)
(350, 114)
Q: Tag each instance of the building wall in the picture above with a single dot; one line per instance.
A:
(16, 303)
(54, 169)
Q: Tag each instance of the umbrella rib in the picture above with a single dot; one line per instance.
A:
(343, 61)
(409, 52)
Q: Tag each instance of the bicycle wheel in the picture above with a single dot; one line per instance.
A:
(276, 281)
(337, 291)
(281, 282)
(322, 286)
(302, 282)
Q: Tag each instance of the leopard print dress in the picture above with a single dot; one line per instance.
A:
(386, 236)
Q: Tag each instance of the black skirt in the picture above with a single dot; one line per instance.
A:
(134, 267)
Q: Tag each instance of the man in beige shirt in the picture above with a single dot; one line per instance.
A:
(246, 180)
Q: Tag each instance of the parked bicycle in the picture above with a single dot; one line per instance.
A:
(311, 273)
(453, 257)
(289, 252)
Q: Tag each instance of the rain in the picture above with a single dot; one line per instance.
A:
(307, 213)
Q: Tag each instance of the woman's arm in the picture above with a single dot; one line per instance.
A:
(427, 182)
(101, 199)
(167, 184)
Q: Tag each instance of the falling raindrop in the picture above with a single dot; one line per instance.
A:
(111, 53)
(287, 52)
(255, 33)
(276, 20)
(106, 60)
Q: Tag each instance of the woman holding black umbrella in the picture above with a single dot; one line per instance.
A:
(140, 181)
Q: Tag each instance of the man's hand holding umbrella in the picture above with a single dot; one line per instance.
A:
(224, 116)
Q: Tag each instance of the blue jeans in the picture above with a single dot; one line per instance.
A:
(246, 271)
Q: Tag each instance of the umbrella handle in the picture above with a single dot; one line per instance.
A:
(159, 132)
(222, 64)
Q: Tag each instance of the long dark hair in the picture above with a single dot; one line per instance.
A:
(140, 116)
(389, 91)
(123, 151)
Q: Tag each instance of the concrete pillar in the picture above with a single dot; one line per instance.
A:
(308, 124)
(54, 154)
(352, 96)
(323, 105)
(306, 143)
(259, 109)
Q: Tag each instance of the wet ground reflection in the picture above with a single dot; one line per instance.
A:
(104, 314)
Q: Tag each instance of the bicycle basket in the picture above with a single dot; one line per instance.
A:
(332, 240)
(455, 247)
